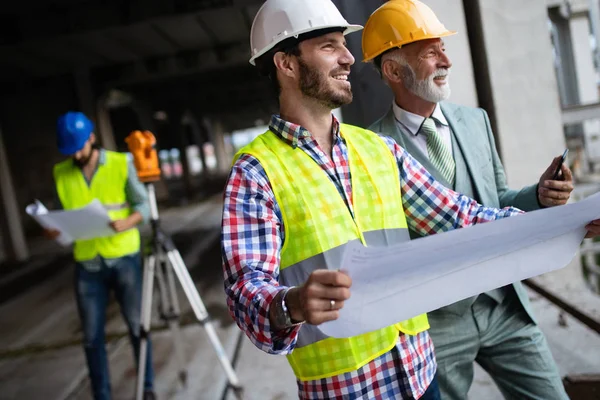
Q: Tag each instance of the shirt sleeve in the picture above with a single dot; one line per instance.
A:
(431, 207)
(136, 193)
(251, 239)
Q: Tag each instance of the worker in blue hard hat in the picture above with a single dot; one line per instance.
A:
(104, 264)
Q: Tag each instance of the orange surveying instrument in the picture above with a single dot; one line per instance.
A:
(142, 147)
(161, 257)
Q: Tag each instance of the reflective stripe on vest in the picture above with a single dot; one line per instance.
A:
(107, 185)
(115, 207)
(318, 225)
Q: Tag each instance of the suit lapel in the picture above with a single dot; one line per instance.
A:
(465, 139)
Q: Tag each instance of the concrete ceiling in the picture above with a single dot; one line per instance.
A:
(189, 54)
(123, 41)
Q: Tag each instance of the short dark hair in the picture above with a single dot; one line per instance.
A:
(266, 65)
(290, 46)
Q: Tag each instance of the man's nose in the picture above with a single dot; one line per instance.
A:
(445, 61)
(347, 58)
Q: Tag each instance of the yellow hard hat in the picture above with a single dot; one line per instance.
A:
(400, 22)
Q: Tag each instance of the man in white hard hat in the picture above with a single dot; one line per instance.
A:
(304, 189)
(496, 329)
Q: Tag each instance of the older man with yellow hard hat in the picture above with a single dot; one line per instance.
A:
(497, 329)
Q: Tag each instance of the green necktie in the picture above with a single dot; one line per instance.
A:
(439, 154)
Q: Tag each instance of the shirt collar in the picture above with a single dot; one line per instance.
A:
(102, 157)
(412, 122)
(291, 133)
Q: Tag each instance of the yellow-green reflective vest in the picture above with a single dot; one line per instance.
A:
(318, 225)
(108, 186)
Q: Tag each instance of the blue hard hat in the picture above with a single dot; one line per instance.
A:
(73, 130)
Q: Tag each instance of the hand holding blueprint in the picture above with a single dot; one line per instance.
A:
(392, 284)
(89, 222)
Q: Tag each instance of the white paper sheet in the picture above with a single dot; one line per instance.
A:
(395, 283)
(89, 222)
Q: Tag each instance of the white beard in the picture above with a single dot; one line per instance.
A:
(427, 89)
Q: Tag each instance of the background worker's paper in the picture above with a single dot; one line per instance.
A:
(89, 222)
(395, 283)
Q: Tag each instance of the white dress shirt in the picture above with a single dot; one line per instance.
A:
(412, 123)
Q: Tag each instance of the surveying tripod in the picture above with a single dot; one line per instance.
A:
(161, 258)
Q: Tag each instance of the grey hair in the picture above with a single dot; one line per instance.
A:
(393, 55)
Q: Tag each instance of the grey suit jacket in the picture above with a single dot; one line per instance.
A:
(471, 131)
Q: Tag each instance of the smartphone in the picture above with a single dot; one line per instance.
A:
(560, 163)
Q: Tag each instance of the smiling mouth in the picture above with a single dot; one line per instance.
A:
(340, 77)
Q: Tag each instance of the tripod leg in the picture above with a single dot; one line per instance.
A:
(171, 313)
(202, 315)
(146, 314)
(163, 305)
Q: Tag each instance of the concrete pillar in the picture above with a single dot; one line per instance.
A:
(199, 135)
(516, 80)
(95, 110)
(218, 139)
(13, 237)
(104, 129)
(177, 129)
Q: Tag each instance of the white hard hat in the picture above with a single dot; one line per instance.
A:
(278, 20)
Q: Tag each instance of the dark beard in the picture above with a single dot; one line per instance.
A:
(83, 162)
(313, 84)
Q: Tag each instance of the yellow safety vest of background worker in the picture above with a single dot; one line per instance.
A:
(105, 263)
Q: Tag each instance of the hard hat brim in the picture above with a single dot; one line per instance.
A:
(399, 44)
(348, 29)
(70, 150)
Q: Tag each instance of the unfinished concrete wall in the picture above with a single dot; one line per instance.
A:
(522, 92)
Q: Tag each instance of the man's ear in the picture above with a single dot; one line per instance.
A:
(285, 64)
(390, 70)
(92, 138)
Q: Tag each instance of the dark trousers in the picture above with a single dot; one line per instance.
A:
(92, 289)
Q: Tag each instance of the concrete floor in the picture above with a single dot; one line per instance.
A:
(41, 357)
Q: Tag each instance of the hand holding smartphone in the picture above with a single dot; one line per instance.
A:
(556, 174)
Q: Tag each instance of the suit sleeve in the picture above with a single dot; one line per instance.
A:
(524, 199)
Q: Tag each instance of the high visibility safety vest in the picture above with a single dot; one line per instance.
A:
(318, 225)
(108, 186)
